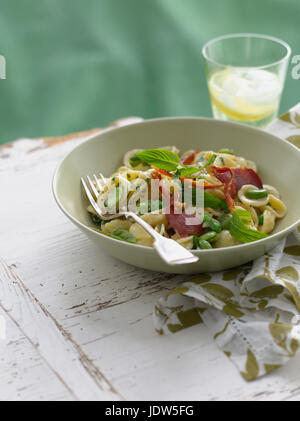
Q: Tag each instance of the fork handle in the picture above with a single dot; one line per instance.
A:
(154, 234)
(169, 250)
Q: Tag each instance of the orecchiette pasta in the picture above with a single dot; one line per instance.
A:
(272, 190)
(276, 206)
(163, 188)
(258, 203)
(142, 237)
(155, 219)
(254, 216)
(225, 239)
(186, 242)
(116, 224)
(268, 222)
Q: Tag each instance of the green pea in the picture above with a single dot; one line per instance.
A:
(212, 223)
(257, 194)
(201, 244)
(225, 221)
(261, 219)
(205, 245)
(209, 236)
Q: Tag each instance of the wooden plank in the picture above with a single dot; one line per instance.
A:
(23, 373)
(51, 341)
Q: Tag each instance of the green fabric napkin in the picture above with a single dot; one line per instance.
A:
(253, 312)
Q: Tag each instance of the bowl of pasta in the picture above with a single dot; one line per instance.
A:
(225, 191)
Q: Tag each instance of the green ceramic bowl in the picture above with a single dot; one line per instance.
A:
(278, 162)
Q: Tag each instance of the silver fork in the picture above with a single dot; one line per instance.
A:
(169, 250)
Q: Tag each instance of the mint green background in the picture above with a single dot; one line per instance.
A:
(74, 64)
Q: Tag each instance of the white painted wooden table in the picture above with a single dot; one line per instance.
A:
(79, 323)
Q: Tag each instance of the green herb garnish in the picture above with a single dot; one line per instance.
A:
(167, 161)
(185, 171)
(160, 158)
(189, 196)
(225, 221)
(213, 202)
(240, 231)
(213, 224)
(95, 219)
(135, 161)
(124, 235)
(210, 161)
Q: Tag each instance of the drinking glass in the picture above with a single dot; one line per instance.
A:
(245, 76)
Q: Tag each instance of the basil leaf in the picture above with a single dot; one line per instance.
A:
(160, 158)
(244, 216)
(185, 171)
(135, 161)
(211, 201)
(95, 219)
(225, 221)
(167, 161)
(209, 162)
(240, 231)
(124, 235)
(189, 196)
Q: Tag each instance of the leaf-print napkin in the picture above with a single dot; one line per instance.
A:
(253, 312)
